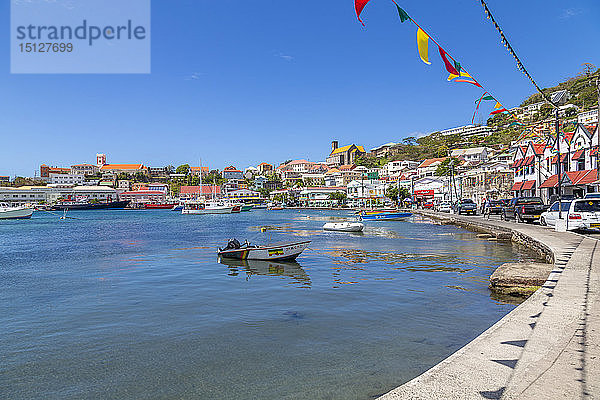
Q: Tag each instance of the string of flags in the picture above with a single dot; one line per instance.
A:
(458, 73)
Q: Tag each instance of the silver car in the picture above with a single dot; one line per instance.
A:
(581, 214)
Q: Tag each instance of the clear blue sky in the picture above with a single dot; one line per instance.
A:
(241, 82)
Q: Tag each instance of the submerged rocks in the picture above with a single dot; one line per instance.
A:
(519, 279)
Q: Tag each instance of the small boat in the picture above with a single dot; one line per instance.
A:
(385, 216)
(247, 207)
(156, 206)
(8, 212)
(247, 251)
(275, 208)
(344, 226)
(208, 208)
(289, 269)
(177, 207)
(86, 205)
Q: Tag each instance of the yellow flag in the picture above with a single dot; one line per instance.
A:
(498, 105)
(452, 76)
(423, 44)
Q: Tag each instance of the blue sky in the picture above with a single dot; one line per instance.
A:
(241, 82)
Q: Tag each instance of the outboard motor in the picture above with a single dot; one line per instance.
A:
(233, 244)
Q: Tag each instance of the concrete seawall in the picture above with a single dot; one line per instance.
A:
(546, 348)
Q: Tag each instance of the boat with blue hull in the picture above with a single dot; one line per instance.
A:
(385, 216)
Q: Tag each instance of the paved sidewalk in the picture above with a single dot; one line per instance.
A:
(546, 348)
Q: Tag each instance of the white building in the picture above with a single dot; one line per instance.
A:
(588, 117)
(48, 194)
(395, 168)
(66, 179)
(474, 154)
(366, 192)
(85, 169)
(468, 131)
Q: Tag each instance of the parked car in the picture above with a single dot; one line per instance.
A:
(465, 206)
(592, 196)
(493, 207)
(444, 206)
(550, 216)
(428, 205)
(581, 214)
(524, 209)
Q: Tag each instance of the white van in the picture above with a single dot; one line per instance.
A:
(579, 214)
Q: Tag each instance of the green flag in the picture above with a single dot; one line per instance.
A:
(488, 98)
(457, 66)
(403, 15)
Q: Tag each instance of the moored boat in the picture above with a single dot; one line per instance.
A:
(382, 216)
(247, 251)
(86, 205)
(162, 206)
(19, 212)
(344, 226)
(208, 208)
(247, 207)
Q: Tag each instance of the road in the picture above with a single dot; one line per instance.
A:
(590, 234)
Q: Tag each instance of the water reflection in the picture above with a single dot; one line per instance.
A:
(289, 269)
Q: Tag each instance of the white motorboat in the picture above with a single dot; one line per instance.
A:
(8, 212)
(344, 226)
(209, 208)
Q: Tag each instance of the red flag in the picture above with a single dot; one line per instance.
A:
(358, 6)
(498, 111)
(473, 82)
(449, 67)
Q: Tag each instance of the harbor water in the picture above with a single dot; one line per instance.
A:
(123, 304)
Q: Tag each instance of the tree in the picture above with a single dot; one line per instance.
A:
(339, 196)
(183, 169)
(445, 169)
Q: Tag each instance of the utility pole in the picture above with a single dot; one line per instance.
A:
(598, 144)
(558, 163)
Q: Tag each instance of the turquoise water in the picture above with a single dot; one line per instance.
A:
(134, 304)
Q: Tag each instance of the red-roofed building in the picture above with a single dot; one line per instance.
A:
(116, 169)
(196, 171)
(232, 172)
(45, 171)
(429, 166)
(140, 197)
(264, 168)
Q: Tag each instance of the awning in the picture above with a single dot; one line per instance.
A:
(550, 182)
(518, 163)
(594, 151)
(528, 185)
(528, 161)
(516, 186)
(578, 154)
(590, 177)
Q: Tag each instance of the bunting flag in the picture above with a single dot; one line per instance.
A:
(423, 45)
(359, 5)
(498, 105)
(449, 67)
(477, 108)
(498, 111)
(403, 15)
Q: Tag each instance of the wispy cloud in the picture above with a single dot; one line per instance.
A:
(195, 76)
(285, 57)
(571, 12)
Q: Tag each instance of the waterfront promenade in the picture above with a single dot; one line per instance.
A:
(546, 348)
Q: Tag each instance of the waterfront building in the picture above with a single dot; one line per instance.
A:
(85, 169)
(259, 182)
(140, 197)
(318, 196)
(344, 155)
(468, 131)
(579, 161)
(130, 169)
(45, 171)
(123, 185)
(264, 168)
(430, 188)
(333, 177)
(232, 172)
(66, 179)
(244, 195)
(49, 194)
(366, 193)
(4, 179)
(158, 187)
(491, 180)
(474, 154)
